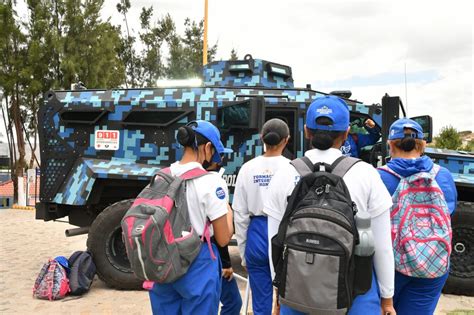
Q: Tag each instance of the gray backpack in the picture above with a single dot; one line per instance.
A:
(160, 241)
(313, 251)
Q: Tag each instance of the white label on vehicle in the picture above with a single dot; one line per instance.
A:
(107, 139)
(230, 180)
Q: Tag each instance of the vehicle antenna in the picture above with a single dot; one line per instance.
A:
(406, 90)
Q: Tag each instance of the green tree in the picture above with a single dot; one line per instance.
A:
(233, 55)
(39, 64)
(152, 36)
(12, 79)
(55, 41)
(448, 138)
(90, 49)
(62, 41)
(127, 53)
(185, 55)
(469, 147)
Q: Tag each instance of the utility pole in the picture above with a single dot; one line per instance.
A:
(204, 44)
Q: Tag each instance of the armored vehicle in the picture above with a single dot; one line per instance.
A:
(99, 149)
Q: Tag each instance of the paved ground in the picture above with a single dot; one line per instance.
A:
(25, 244)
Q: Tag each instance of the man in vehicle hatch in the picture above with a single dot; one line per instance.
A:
(358, 139)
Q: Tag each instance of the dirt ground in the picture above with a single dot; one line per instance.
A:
(26, 243)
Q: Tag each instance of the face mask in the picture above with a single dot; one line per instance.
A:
(206, 164)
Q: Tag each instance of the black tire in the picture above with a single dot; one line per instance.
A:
(461, 274)
(108, 250)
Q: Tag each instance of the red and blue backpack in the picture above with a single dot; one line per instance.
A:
(52, 282)
(421, 225)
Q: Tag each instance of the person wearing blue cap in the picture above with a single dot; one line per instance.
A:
(416, 294)
(357, 140)
(327, 127)
(199, 290)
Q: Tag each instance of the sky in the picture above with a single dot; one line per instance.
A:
(363, 46)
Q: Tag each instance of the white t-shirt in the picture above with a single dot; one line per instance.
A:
(250, 190)
(207, 196)
(367, 191)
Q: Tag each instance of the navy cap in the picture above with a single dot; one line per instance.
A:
(329, 106)
(211, 133)
(397, 129)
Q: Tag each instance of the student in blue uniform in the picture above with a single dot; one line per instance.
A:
(415, 295)
(199, 290)
(250, 221)
(230, 296)
(356, 141)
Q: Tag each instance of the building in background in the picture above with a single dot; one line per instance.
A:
(6, 192)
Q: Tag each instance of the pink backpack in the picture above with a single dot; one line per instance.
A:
(421, 225)
(160, 240)
(52, 282)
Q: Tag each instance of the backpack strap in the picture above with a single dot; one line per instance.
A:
(194, 173)
(303, 166)
(175, 182)
(166, 170)
(191, 174)
(206, 236)
(390, 171)
(434, 170)
(164, 173)
(343, 164)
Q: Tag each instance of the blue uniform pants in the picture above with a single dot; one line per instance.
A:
(417, 295)
(197, 292)
(230, 297)
(258, 266)
(367, 304)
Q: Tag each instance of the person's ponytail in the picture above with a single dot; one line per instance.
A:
(186, 136)
(272, 138)
(322, 140)
(274, 131)
(407, 144)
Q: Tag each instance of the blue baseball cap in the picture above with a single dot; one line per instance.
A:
(211, 133)
(329, 106)
(397, 129)
(63, 262)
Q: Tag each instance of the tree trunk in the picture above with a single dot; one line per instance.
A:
(33, 153)
(20, 163)
(35, 133)
(13, 161)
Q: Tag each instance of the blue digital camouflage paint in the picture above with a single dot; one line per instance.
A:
(237, 96)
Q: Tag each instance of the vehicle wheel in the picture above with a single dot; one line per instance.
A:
(461, 274)
(108, 250)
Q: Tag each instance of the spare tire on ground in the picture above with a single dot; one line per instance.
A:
(108, 250)
(461, 274)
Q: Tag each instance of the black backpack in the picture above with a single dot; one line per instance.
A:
(313, 252)
(82, 272)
